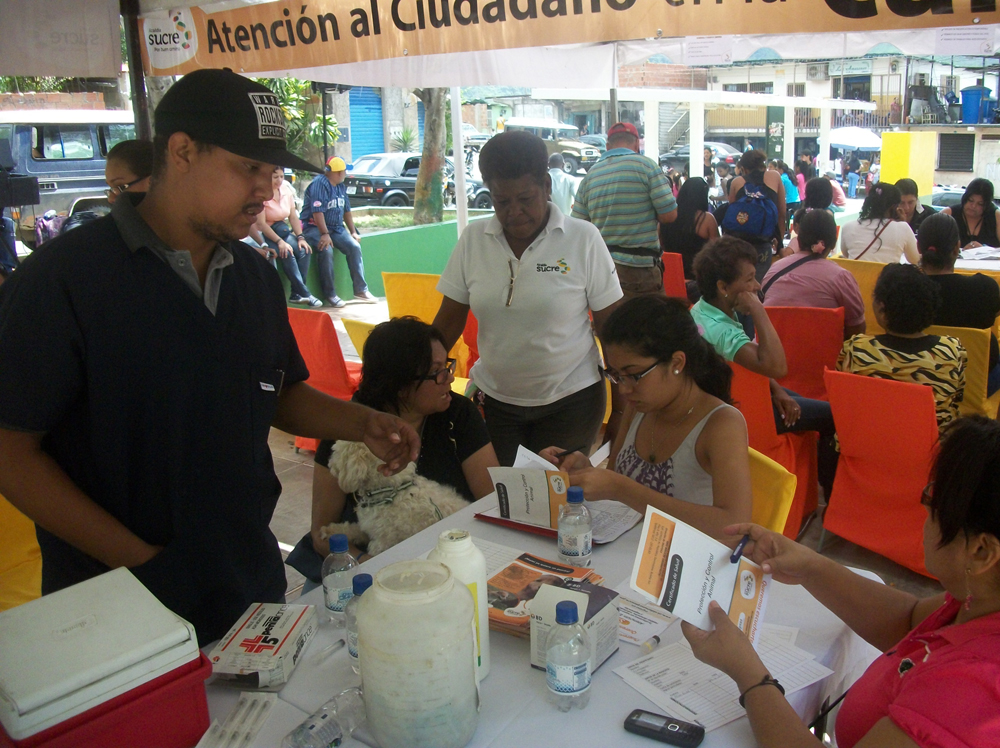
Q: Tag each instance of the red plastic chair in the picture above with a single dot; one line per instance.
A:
(320, 348)
(673, 276)
(812, 339)
(795, 452)
(888, 435)
(471, 337)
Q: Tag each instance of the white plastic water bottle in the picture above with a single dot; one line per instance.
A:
(567, 660)
(576, 533)
(361, 583)
(456, 550)
(337, 587)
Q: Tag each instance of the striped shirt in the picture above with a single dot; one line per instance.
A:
(622, 195)
(935, 361)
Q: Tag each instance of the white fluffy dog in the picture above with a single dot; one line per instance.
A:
(390, 509)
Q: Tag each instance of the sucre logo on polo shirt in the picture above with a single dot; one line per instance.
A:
(270, 118)
(560, 267)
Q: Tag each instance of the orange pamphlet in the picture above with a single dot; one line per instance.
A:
(682, 570)
(530, 495)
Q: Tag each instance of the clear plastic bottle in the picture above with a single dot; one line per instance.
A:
(337, 588)
(576, 533)
(567, 660)
(361, 583)
(327, 727)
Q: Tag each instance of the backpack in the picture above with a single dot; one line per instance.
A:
(754, 215)
(48, 226)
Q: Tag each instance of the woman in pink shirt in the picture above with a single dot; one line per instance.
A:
(936, 686)
(288, 242)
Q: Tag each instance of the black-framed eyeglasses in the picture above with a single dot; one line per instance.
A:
(615, 378)
(120, 189)
(927, 495)
(441, 375)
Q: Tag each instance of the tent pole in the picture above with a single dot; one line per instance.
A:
(140, 103)
(458, 157)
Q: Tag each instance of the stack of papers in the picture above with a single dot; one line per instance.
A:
(980, 253)
(689, 690)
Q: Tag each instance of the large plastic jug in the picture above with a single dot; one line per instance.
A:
(415, 648)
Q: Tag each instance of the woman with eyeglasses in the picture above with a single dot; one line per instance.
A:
(405, 371)
(937, 685)
(682, 447)
(531, 276)
(128, 167)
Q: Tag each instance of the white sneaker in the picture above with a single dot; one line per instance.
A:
(366, 297)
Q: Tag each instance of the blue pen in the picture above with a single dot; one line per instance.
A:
(735, 558)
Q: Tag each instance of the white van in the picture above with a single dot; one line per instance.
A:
(66, 150)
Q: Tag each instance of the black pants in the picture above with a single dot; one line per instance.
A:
(569, 423)
(815, 416)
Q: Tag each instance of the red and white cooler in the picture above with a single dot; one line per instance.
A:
(102, 663)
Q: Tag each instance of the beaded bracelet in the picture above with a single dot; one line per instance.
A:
(766, 681)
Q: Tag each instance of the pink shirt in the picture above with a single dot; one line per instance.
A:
(800, 180)
(940, 685)
(280, 209)
(817, 283)
(839, 198)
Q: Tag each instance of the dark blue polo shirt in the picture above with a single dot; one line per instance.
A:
(157, 409)
(329, 199)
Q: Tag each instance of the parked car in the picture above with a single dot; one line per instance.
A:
(65, 150)
(472, 136)
(678, 158)
(950, 195)
(559, 138)
(390, 179)
(600, 142)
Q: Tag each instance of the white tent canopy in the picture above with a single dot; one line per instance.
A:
(855, 138)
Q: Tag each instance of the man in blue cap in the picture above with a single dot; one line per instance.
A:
(325, 211)
(143, 359)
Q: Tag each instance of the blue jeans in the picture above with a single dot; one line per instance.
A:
(852, 184)
(296, 266)
(346, 244)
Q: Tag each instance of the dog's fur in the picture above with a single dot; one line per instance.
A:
(382, 526)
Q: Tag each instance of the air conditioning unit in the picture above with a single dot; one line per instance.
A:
(819, 71)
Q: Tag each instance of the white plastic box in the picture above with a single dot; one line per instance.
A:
(78, 649)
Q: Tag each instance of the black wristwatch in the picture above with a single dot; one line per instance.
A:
(767, 680)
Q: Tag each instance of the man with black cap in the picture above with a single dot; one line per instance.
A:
(145, 356)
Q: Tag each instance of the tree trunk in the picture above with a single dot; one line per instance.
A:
(428, 202)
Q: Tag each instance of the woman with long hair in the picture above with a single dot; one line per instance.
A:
(693, 226)
(754, 174)
(682, 447)
(976, 215)
(877, 236)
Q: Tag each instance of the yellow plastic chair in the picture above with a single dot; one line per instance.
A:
(977, 369)
(20, 558)
(358, 332)
(416, 295)
(865, 273)
(773, 490)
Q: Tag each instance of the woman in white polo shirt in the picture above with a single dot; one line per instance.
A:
(532, 276)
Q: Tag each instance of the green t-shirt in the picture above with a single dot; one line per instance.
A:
(725, 333)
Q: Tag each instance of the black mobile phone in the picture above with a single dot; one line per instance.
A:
(665, 729)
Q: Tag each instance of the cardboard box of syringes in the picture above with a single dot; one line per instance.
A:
(263, 647)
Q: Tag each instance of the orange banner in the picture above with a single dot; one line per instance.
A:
(296, 35)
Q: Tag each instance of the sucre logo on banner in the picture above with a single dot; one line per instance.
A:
(171, 40)
(270, 118)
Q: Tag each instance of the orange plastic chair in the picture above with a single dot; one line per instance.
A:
(865, 273)
(812, 339)
(888, 434)
(320, 348)
(673, 276)
(795, 452)
(20, 558)
(471, 337)
(416, 295)
(977, 369)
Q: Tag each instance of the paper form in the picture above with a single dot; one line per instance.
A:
(639, 622)
(685, 688)
(497, 556)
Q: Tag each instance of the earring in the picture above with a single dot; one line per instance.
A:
(677, 371)
(968, 592)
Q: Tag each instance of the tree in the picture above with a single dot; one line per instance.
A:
(428, 202)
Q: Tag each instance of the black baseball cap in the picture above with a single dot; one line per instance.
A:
(222, 108)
